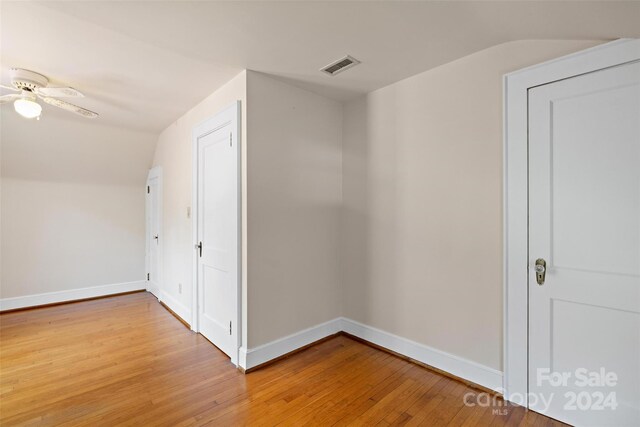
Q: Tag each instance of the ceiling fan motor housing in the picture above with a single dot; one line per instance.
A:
(27, 80)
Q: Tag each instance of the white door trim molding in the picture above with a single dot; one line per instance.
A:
(200, 130)
(515, 164)
(155, 173)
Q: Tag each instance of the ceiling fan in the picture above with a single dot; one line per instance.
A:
(33, 86)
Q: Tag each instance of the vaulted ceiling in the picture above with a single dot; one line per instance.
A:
(143, 64)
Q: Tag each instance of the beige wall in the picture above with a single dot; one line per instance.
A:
(422, 218)
(173, 153)
(387, 210)
(392, 218)
(291, 205)
(72, 211)
(295, 195)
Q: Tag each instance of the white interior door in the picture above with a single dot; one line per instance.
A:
(584, 221)
(153, 210)
(217, 235)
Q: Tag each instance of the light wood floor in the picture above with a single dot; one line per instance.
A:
(126, 360)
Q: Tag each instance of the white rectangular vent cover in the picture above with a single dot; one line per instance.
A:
(340, 65)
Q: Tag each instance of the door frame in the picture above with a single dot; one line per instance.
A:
(515, 195)
(154, 173)
(200, 130)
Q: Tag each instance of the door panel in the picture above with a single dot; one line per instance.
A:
(596, 175)
(584, 220)
(217, 229)
(153, 235)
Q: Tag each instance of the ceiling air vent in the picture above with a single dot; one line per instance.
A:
(340, 65)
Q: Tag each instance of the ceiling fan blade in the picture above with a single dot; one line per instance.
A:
(10, 88)
(59, 92)
(11, 97)
(70, 107)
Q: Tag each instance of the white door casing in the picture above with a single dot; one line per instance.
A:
(584, 221)
(217, 230)
(516, 209)
(154, 240)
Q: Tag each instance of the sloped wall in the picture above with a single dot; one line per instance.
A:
(72, 212)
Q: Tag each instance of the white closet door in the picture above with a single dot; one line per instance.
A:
(218, 230)
(584, 222)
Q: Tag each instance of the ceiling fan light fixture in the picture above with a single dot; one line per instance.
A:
(33, 86)
(27, 108)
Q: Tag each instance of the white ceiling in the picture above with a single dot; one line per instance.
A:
(143, 64)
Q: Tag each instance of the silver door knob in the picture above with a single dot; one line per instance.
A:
(541, 270)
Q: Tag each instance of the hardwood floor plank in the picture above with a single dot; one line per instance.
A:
(127, 361)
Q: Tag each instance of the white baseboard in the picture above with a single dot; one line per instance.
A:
(458, 366)
(178, 308)
(70, 295)
(257, 356)
(154, 288)
(250, 358)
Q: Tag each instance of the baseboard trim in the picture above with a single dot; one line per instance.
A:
(174, 314)
(458, 367)
(289, 354)
(250, 359)
(69, 296)
(182, 312)
(154, 289)
(424, 365)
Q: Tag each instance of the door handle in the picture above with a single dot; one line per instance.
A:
(156, 237)
(541, 271)
(199, 247)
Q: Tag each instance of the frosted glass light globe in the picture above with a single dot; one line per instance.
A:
(27, 108)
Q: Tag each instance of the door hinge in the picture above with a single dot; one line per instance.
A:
(147, 277)
(148, 189)
(229, 327)
(230, 140)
